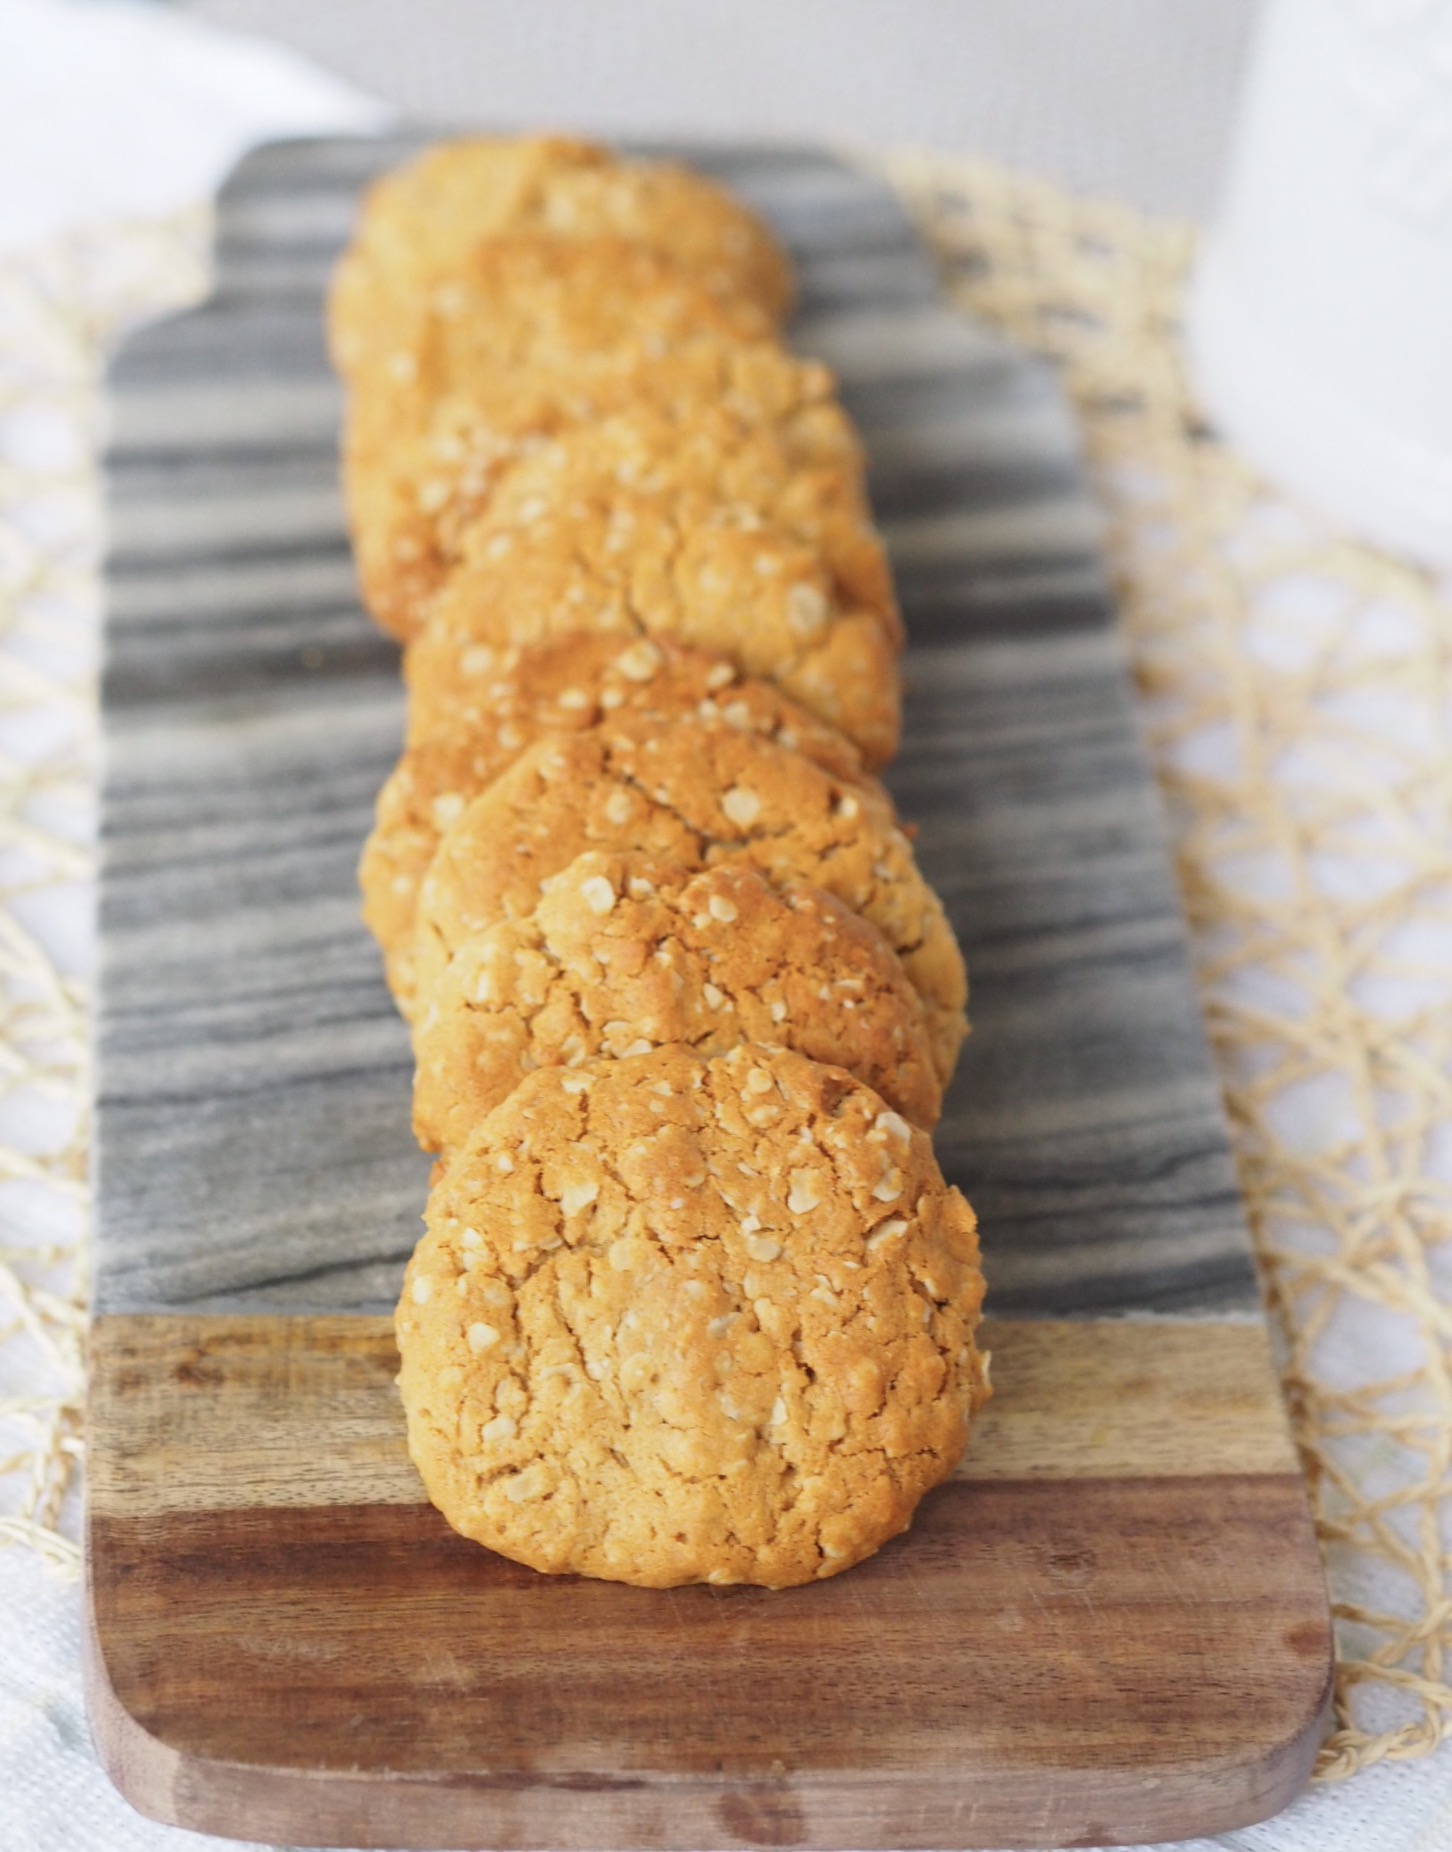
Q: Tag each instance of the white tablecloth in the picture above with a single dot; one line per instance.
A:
(1125, 99)
(112, 111)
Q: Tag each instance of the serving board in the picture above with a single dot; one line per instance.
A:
(1109, 1626)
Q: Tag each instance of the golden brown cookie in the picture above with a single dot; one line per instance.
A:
(698, 793)
(420, 223)
(740, 429)
(538, 337)
(701, 531)
(417, 474)
(457, 686)
(624, 954)
(475, 708)
(687, 1320)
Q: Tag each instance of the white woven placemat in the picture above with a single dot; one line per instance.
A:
(1298, 695)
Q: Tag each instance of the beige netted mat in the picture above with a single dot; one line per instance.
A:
(60, 311)
(1298, 696)
(1298, 692)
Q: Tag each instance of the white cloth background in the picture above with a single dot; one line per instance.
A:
(110, 111)
(127, 111)
(1126, 98)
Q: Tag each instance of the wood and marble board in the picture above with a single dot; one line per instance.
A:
(1109, 1626)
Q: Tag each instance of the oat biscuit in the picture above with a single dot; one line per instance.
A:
(457, 686)
(540, 336)
(422, 221)
(697, 793)
(701, 532)
(640, 527)
(688, 459)
(680, 1320)
(624, 954)
(529, 317)
(419, 472)
(475, 708)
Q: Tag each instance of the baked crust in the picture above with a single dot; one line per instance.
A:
(623, 954)
(419, 222)
(698, 793)
(535, 337)
(475, 707)
(681, 1320)
(699, 528)
(418, 473)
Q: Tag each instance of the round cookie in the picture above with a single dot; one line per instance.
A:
(697, 793)
(687, 1320)
(623, 954)
(418, 474)
(699, 530)
(689, 448)
(420, 222)
(538, 336)
(474, 709)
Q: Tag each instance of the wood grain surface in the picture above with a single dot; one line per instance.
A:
(1109, 1625)
(205, 1413)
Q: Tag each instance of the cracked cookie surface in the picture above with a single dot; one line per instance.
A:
(679, 1320)
(624, 954)
(422, 221)
(700, 529)
(474, 707)
(415, 495)
(697, 793)
(536, 338)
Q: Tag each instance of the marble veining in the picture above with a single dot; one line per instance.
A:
(253, 1080)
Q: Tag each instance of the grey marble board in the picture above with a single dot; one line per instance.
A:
(253, 1146)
